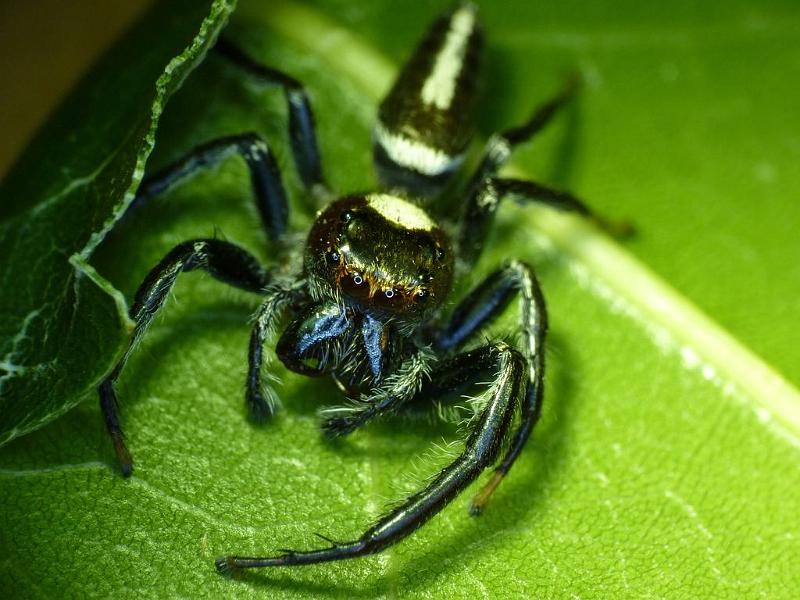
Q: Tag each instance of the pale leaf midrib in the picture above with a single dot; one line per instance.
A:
(656, 305)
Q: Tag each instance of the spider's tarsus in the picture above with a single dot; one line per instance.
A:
(124, 459)
(336, 427)
(224, 567)
(231, 565)
(260, 410)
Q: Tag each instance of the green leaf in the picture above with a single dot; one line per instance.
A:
(61, 324)
(666, 463)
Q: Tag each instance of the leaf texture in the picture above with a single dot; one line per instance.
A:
(666, 462)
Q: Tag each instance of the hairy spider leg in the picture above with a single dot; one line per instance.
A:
(224, 261)
(478, 215)
(265, 177)
(482, 446)
(499, 147)
(473, 314)
(302, 129)
(399, 388)
(261, 400)
(425, 123)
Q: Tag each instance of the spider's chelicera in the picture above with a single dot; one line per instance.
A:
(365, 305)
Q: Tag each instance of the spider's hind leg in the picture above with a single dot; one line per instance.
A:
(482, 447)
(500, 146)
(224, 261)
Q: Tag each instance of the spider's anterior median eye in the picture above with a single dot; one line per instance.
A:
(422, 295)
(390, 298)
(355, 284)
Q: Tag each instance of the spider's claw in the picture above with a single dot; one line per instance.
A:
(224, 566)
(334, 427)
(260, 408)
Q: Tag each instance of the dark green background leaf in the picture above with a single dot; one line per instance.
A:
(61, 326)
(665, 464)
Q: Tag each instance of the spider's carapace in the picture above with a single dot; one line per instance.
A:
(382, 252)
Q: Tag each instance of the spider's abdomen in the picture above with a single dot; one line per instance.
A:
(381, 252)
(425, 122)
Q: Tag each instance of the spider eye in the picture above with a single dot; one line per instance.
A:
(422, 295)
(356, 284)
(347, 216)
(333, 257)
(389, 298)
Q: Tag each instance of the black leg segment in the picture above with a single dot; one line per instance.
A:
(481, 449)
(478, 215)
(223, 260)
(473, 314)
(478, 309)
(302, 130)
(500, 146)
(265, 176)
(261, 399)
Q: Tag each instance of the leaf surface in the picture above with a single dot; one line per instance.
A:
(666, 463)
(61, 324)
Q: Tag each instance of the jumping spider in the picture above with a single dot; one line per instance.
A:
(365, 305)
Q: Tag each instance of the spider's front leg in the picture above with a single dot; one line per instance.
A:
(224, 261)
(412, 381)
(483, 444)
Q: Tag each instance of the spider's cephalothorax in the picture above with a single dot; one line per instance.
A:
(366, 306)
(380, 252)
